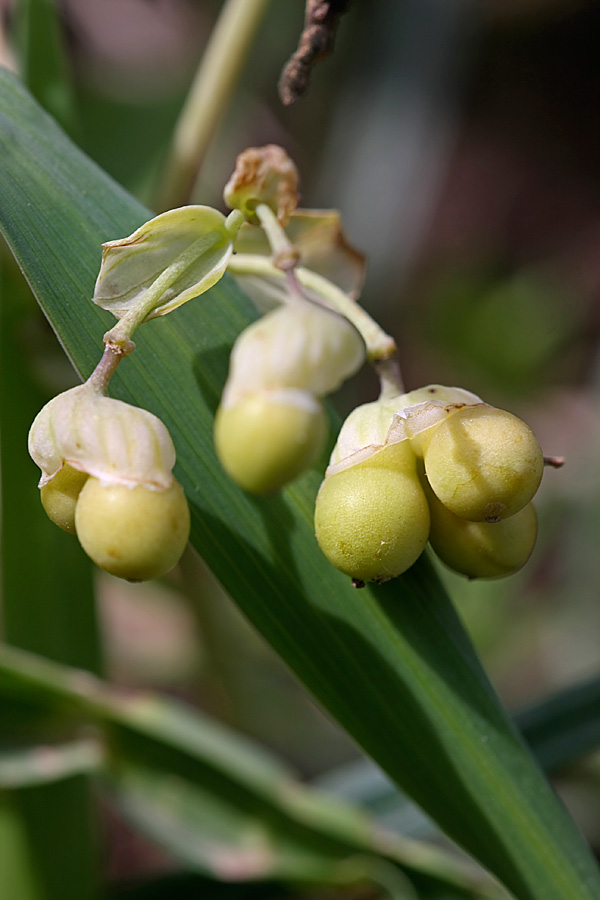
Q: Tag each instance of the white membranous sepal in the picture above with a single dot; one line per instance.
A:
(372, 427)
(300, 345)
(191, 243)
(106, 438)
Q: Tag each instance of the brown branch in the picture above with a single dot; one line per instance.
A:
(316, 41)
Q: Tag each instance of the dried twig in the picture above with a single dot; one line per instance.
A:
(316, 41)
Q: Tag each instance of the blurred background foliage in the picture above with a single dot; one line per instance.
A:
(461, 142)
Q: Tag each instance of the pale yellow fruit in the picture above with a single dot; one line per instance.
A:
(482, 549)
(263, 442)
(59, 496)
(372, 520)
(483, 463)
(134, 533)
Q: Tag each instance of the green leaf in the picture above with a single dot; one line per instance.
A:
(39, 560)
(48, 607)
(210, 798)
(51, 857)
(43, 59)
(564, 727)
(559, 730)
(27, 766)
(391, 663)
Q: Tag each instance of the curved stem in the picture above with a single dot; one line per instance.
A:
(285, 255)
(380, 346)
(208, 97)
(106, 368)
(120, 335)
(234, 222)
(390, 377)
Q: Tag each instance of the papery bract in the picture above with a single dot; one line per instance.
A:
(193, 239)
(319, 238)
(390, 420)
(111, 440)
(301, 345)
(263, 175)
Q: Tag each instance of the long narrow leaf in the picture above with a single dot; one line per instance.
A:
(559, 730)
(211, 798)
(565, 726)
(391, 663)
(47, 606)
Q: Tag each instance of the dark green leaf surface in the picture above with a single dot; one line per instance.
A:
(391, 663)
(559, 730)
(46, 579)
(48, 607)
(43, 60)
(564, 727)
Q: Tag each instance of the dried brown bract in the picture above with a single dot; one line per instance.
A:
(263, 175)
(316, 41)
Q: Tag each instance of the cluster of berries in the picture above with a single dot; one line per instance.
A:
(107, 477)
(435, 465)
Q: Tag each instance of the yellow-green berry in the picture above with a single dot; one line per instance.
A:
(482, 549)
(372, 519)
(59, 496)
(484, 464)
(133, 532)
(269, 438)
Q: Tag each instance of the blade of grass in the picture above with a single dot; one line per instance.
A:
(560, 730)
(26, 767)
(48, 607)
(392, 663)
(44, 65)
(564, 727)
(18, 875)
(211, 798)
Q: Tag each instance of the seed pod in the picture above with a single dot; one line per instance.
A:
(133, 532)
(484, 464)
(59, 496)
(269, 437)
(372, 519)
(482, 549)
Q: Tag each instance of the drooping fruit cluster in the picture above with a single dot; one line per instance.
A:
(107, 477)
(437, 464)
(271, 424)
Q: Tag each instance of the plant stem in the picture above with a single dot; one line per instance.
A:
(234, 222)
(208, 97)
(285, 255)
(119, 337)
(380, 346)
(105, 369)
(390, 377)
